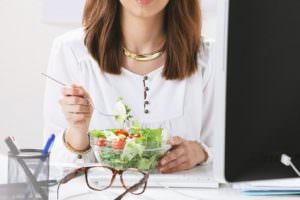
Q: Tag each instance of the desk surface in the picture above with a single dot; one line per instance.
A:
(70, 191)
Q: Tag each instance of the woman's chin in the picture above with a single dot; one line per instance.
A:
(144, 14)
(144, 8)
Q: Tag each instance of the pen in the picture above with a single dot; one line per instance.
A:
(45, 152)
(39, 167)
(48, 145)
(30, 178)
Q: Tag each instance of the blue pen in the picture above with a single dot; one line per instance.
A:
(45, 152)
(48, 145)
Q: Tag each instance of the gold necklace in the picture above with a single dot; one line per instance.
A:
(143, 57)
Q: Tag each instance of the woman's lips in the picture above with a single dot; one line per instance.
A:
(144, 2)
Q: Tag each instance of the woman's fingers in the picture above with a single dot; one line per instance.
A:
(76, 105)
(174, 165)
(76, 117)
(176, 140)
(176, 168)
(74, 100)
(77, 109)
(171, 158)
(172, 155)
(184, 155)
(73, 91)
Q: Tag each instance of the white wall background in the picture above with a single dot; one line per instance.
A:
(25, 42)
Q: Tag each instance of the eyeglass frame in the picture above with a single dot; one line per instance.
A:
(84, 170)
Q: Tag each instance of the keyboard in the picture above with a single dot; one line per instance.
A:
(195, 178)
(199, 177)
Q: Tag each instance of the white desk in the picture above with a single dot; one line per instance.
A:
(76, 189)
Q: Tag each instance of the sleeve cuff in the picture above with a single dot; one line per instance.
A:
(208, 150)
(61, 154)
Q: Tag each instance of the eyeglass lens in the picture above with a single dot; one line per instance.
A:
(99, 178)
(132, 177)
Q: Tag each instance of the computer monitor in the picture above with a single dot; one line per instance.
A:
(258, 89)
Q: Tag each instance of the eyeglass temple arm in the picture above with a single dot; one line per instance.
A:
(134, 187)
(68, 177)
(72, 175)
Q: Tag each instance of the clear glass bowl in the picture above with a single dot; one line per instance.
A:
(118, 159)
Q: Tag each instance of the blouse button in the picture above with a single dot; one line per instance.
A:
(146, 88)
(145, 78)
(146, 102)
(146, 111)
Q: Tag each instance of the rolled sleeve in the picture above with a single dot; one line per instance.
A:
(208, 103)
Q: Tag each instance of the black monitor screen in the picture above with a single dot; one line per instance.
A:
(263, 89)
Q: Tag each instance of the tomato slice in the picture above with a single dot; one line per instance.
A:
(121, 132)
(101, 142)
(118, 144)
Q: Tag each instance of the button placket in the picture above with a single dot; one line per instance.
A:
(146, 89)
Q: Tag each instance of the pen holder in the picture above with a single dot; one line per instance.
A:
(17, 176)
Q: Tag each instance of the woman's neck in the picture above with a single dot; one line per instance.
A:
(142, 35)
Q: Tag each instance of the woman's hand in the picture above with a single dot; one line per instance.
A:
(76, 106)
(183, 155)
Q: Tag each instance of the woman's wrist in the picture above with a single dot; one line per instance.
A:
(77, 139)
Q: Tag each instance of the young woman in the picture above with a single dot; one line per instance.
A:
(151, 53)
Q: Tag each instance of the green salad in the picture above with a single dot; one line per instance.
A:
(131, 147)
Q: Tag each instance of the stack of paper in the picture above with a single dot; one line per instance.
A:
(270, 187)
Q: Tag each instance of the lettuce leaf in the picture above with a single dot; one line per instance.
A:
(150, 138)
(97, 134)
(135, 127)
(121, 111)
(131, 150)
(146, 163)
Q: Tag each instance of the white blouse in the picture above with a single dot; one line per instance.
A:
(183, 108)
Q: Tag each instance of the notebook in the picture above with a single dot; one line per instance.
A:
(289, 186)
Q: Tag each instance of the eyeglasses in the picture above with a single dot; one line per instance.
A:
(100, 178)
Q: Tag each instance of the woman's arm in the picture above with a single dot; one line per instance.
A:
(58, 102)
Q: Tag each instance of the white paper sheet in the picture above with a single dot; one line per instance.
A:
(278, 184)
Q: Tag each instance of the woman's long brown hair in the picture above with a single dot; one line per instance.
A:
(182, 26)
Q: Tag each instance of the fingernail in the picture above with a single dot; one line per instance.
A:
(162, 162)
(172, 140)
